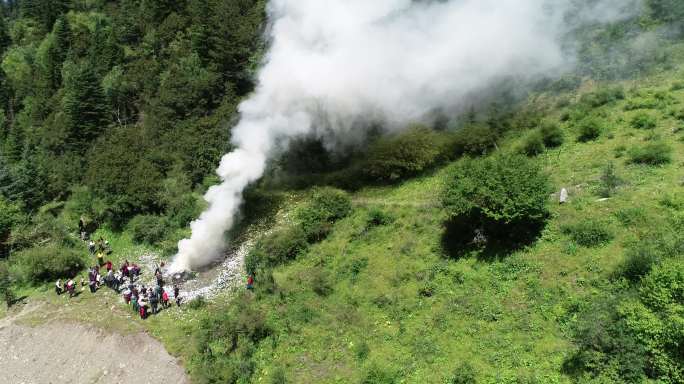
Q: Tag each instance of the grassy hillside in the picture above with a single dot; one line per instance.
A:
(360, 286)
(381, 302)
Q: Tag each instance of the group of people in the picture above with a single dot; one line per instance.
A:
(142, 299)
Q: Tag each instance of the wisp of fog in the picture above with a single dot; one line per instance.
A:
(332, 62)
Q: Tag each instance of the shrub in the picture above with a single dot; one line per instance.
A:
(588, 233)
(463, 374)
(642, 103)
(603, 96)
(376, 374)
(406, 154)
(552, 135)
(6, 284)
(589, 129)
(504, 197)
(656, 320)
(606, 347)
(474, 140)
(276, 248)
(83, 203)
(225, 340)
(9, 215)
(197, 303)
(320, 281)
(45, 263)
(327, 205)
(378, 217)
(533, 145)
(631, 216)
(278, 376)
(654, 153)
(644, 121)
(149, 229)
(639, 262)
(610, 181)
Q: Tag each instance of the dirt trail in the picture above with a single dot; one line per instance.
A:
(73, 353)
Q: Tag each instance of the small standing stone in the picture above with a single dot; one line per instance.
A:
(563, 196)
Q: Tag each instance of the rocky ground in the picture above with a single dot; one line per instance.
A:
(63, 352)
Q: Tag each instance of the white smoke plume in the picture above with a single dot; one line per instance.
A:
(332, 62)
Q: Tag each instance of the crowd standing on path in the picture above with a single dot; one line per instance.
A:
(125, 280)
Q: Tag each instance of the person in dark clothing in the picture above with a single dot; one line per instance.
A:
(176, 295)
(154, 300)
(160, 279)
(82, 229)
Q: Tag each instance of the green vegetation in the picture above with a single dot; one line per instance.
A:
(406, 154)
(655, 153)
(503, 198)
(46, 263)
(443, 257)
(644, 121)
(589, 129)
(589, 233)
(552, 135)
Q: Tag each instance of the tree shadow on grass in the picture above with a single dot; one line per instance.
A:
(488, 240)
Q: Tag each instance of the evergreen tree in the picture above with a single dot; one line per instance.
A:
(200, 12)
(44, 11)
(84, 106)
(105, 52)
(62, 34)
(5, 38)
(14, 146)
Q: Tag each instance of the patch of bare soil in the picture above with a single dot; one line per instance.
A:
(73, 353)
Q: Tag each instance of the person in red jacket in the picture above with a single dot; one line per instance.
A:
(108, 265)
(165, 299)
(250, 281)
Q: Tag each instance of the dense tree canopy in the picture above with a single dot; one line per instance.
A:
(115, 96)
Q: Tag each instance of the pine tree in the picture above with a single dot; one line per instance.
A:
(84, 105)
(44, 11)
(5, 38)
(62, 34)
(200, 12)
(105, 51)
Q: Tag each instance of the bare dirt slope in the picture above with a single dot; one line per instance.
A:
(60, 352)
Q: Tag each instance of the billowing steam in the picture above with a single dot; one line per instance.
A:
(332, 62)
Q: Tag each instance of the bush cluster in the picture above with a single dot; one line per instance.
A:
(588, 233)
(225, 341)
(327, 205)
(405, 154)
(609, 181)
(589, 129)
(503, 197)
(149, 229)
(552, 135)
(603, 96)
(533, 144)
(644, 121)
(46, 263)
(277, 248)
(654, 153)
(475, 140)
